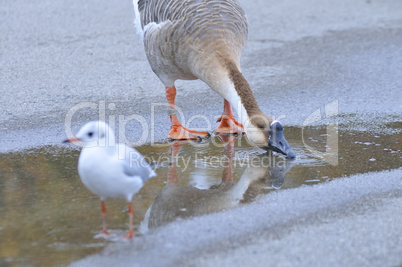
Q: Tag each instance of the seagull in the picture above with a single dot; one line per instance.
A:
(110, 170)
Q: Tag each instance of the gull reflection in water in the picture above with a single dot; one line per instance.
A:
(174, 201)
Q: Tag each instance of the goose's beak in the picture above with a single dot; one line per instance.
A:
(277, 141)
(71, 140)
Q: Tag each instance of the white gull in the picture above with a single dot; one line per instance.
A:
(110, 170)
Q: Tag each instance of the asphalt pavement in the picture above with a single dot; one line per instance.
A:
(62, 62)
(59, 57)
(352, 221)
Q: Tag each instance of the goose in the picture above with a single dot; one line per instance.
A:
(204, 39)
(110, 170)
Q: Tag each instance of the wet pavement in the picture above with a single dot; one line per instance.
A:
(57, 215)
(329, 71)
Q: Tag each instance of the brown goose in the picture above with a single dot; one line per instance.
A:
(204, 39)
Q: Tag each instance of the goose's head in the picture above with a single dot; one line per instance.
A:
(267, 133)
(94, 133)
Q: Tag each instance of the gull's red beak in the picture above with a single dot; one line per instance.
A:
(71, 140)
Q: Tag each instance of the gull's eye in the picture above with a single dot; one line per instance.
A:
(90, 134)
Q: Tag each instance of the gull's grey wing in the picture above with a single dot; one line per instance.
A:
(135, 164)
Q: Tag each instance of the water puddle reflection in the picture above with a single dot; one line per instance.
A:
(45, 210)
(203, 197)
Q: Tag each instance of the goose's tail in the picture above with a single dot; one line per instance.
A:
(137, 20)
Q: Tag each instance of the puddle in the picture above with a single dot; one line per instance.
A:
(45, 210)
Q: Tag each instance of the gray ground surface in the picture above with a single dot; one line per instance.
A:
(353, 221)
(301, 56)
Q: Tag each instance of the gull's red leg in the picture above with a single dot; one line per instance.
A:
(104, 232)
(130, 233)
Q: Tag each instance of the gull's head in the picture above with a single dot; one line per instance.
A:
(94, 133)
(267, 133)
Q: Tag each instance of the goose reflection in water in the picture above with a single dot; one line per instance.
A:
(176, 201)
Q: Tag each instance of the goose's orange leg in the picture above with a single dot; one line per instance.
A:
(178, 131)
(228, 124)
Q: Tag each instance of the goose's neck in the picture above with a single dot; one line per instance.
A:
(241, 97)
